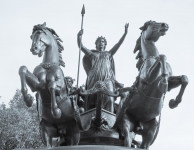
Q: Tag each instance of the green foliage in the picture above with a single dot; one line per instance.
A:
(19, 125)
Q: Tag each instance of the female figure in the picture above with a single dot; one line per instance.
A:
(99, 66)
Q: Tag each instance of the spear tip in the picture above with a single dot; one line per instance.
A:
(83, 10)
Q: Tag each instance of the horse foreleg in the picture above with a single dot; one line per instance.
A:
(175, 81)
(148, 133)
(73, 134)
(55, 111)
(31, 80)
(47, 133)
(127, 128)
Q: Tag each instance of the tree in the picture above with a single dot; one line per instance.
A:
(19, 125)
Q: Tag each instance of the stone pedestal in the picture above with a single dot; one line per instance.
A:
(88, 147)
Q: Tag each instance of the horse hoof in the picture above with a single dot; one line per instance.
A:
(172, 104)
(56, 113)
(28, 99)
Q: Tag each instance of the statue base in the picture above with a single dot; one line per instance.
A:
(88, 147)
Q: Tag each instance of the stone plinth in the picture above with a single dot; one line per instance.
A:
(88, 147)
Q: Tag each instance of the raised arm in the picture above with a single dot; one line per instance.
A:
(116, 47)
(83, 48)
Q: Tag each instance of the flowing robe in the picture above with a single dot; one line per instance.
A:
(99, 66)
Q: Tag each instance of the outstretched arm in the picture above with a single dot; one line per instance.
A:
(83, 48)
(116, 47)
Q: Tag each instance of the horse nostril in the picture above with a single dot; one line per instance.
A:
(35, 48)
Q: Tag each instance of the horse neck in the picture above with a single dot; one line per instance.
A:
(148, 48)
(51, 53)
(150, 90)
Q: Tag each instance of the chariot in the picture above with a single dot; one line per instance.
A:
(61, 122)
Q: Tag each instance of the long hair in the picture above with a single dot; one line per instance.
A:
(99, 38)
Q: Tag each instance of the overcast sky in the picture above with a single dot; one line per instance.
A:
(106, 18)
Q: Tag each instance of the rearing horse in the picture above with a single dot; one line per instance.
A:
(138, 110)
(58, 112)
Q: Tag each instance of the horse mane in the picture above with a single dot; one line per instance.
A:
(138, 46)
(58, 40)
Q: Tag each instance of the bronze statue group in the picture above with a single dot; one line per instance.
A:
(62, 105)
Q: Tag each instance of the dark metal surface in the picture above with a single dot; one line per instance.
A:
(97, 127)
(139, 108)
(59, 113)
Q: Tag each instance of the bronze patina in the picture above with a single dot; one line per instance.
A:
(139, 108)
(59, 113)
(66, 119)
(99, 66)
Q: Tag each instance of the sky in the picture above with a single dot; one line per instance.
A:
(105, 18)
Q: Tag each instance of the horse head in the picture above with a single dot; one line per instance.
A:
(44, 38)
(40, 39)
(151, 32)
(155, 29)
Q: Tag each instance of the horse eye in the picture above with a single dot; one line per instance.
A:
(39, 32)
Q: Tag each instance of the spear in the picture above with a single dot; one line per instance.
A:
(82, 12)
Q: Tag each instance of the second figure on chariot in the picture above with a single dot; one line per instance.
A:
(58, 111)
(99, 66)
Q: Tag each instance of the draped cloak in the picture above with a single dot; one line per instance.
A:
(99, 66)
